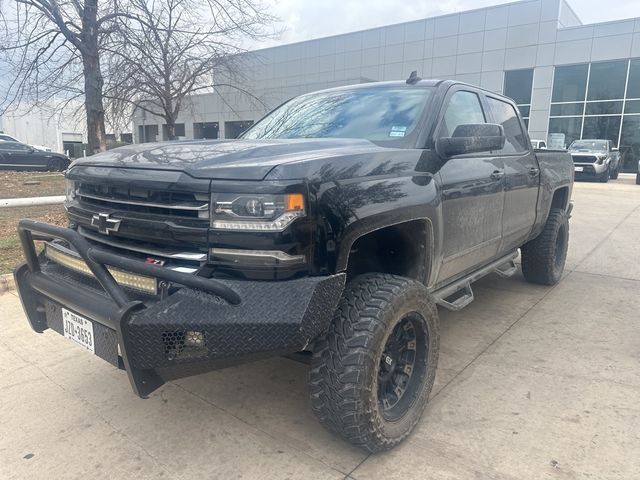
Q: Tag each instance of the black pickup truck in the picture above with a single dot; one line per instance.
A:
(330, 230)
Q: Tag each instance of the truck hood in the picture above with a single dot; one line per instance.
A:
(229, 159)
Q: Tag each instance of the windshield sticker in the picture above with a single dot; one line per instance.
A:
(397, 131)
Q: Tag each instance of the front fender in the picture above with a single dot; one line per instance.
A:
(350, 209)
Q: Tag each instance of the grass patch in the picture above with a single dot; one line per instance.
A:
(10, 248)
(30, 184)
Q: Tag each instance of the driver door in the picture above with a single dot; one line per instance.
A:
(472, 192)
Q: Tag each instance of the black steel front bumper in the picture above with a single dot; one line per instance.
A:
(234, 320)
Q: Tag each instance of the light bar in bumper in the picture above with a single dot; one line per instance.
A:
(73, 261)
(202, 326)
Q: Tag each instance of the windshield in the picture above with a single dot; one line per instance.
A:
(589, 146)
(376, 114)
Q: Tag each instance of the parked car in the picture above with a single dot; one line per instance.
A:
(330, 227)
(538, 144)
(8, 138)
(18, 156)
(597, 159)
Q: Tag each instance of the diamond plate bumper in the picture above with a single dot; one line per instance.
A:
(191, 330)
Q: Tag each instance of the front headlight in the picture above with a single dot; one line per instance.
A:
(256, 213)
(70, 189)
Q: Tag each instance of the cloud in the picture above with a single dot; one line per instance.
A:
(307, 19)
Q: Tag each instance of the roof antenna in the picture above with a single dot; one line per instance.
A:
(413, 78)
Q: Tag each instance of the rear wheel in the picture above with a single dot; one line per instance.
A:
(372, 373)
(544, 257)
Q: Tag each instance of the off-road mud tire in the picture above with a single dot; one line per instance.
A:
(346, 361)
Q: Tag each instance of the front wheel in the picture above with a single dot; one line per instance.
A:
(56, 165)
(372, 373)
(604, 178)
(615, 173)
(543, 258)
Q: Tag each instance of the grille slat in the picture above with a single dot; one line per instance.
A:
(147, 201)
(146, 249)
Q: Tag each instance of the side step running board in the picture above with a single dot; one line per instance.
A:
(505, 267)
(459, 303)
(506, 270)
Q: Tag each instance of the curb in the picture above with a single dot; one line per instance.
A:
(7, 283)
(31, 201)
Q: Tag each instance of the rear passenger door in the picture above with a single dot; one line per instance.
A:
(522, 175)
(471, 189)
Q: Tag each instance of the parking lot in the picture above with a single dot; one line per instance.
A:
(533, 382)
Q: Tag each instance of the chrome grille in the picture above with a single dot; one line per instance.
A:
(146, 201)
(144, 248)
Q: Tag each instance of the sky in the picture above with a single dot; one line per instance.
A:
(307, 19)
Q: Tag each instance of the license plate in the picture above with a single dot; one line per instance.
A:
(579, 169)
(79, 330)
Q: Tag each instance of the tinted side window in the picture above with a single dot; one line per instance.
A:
(16, 147)
(464, 108)
(506, 116)
(6, 146)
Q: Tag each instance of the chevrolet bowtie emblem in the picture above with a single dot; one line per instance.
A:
(105, 224)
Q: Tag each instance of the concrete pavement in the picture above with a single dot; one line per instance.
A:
(533, 382)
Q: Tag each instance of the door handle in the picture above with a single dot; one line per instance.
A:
(533, 171)
(497, 175)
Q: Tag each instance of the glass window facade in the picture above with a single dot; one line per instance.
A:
(599, 100)
(570, 83)
(203, 130)
(518, 85)
(607, 80)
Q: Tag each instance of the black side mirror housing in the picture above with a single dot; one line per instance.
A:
(472, 138)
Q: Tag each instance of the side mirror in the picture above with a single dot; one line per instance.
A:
(472, 138)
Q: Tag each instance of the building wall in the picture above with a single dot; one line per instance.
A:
(43, 126)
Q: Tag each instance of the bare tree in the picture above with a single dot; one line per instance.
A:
(175, 48)
(51, 50)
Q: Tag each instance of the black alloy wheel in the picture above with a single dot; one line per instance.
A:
(402, 367)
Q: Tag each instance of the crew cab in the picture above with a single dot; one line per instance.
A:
(330, 230)
(595, 159)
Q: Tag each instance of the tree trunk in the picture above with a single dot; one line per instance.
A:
(94, 108)
(93, 81)
(171, 129)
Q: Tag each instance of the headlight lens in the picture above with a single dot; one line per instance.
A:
(255, 212)
(70, 189)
